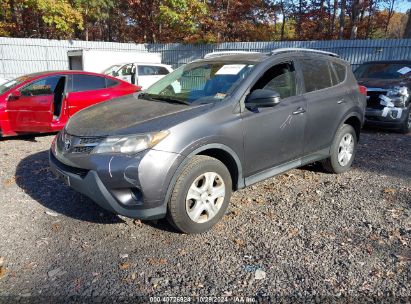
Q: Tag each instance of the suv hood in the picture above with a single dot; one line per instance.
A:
(130, 115)
(384, 83)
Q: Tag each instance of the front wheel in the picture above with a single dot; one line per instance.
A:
(342, 150)
(200, 196)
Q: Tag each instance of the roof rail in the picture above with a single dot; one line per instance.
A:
(286, 50)
(223, 53)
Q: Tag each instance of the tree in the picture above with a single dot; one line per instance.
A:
(407, 31)
(183, 17)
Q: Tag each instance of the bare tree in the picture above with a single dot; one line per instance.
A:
(407, 31)
(355, 14)
(342, 19)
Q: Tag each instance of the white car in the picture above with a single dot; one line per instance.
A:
(141, 74)
(2, 80)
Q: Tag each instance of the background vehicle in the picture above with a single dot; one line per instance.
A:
(236, 120)
(142, 74)
(388, 93)
(43, 102)
(2, 80)
(98, 60)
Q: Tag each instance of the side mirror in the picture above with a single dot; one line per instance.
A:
(114, 73)
(262, 99)
(14, 96)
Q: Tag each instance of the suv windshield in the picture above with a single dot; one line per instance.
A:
(199, 82)
(383, 70)
(11, 84)
(112, 71)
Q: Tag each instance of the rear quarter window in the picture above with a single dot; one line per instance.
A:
(111, 83)
(317, 74)
(340, 71)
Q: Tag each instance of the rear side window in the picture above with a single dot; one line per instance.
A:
(88, 83)
(150, 70)
(340, 71)
(317, 74)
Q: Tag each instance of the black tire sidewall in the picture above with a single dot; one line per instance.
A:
(180, 218)
(404, 128)
(344, 129)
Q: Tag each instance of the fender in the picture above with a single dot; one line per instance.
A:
(353, 112)
(240, 181)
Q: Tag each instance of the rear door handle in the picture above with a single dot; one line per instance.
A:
(299, 111)
(341, 101)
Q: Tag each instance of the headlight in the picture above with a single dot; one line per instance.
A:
(130, 143)
(398, 96)
(398, 91)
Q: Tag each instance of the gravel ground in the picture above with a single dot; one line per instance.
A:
(303, 235)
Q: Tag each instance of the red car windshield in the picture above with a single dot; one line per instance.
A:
(12, 83)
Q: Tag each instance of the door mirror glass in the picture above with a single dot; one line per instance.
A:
(14, 96)
(262, 98)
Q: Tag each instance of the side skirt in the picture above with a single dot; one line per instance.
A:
(319, 155)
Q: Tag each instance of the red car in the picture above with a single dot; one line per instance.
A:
(43, 102)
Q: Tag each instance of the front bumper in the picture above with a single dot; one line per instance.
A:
(386, 117)
(135, 187)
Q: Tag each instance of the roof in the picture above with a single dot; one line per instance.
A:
(388, 61)
(37, 74)
(245, 57)
(258, 57)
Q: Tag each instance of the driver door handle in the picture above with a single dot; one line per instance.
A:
(299, 111)
(341, 101)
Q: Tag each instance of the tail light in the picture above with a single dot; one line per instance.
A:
(363, 90)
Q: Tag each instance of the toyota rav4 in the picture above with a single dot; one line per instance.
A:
(234, 120)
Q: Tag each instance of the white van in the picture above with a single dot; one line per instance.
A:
(141, 74)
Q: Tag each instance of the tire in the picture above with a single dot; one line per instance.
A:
(338, 148)
(406, 126)
(184, 207)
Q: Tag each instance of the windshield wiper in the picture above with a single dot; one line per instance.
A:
(170, 99)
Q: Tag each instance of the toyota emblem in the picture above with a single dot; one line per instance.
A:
(67, 143)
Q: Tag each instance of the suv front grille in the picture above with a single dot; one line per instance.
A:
(373, 100)
(80, 144)
(86, 144)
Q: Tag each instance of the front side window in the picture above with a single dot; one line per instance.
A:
(88, 83)
(44, 86)
(279, 78)
(128, 69)
(317, 74)
(200, 82)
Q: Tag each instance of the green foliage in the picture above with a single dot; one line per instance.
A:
(183, 16)
(59, 15)
(201, 21)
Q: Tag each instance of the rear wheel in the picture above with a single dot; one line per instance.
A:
(200, 196)
(406, 126)
(342, 150)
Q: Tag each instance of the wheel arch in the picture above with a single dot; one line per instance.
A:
(355, 122)
(219, 151)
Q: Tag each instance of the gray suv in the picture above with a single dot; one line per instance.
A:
(213, 126)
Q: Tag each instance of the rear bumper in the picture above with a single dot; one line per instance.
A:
(125, 197)
(388, 118)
